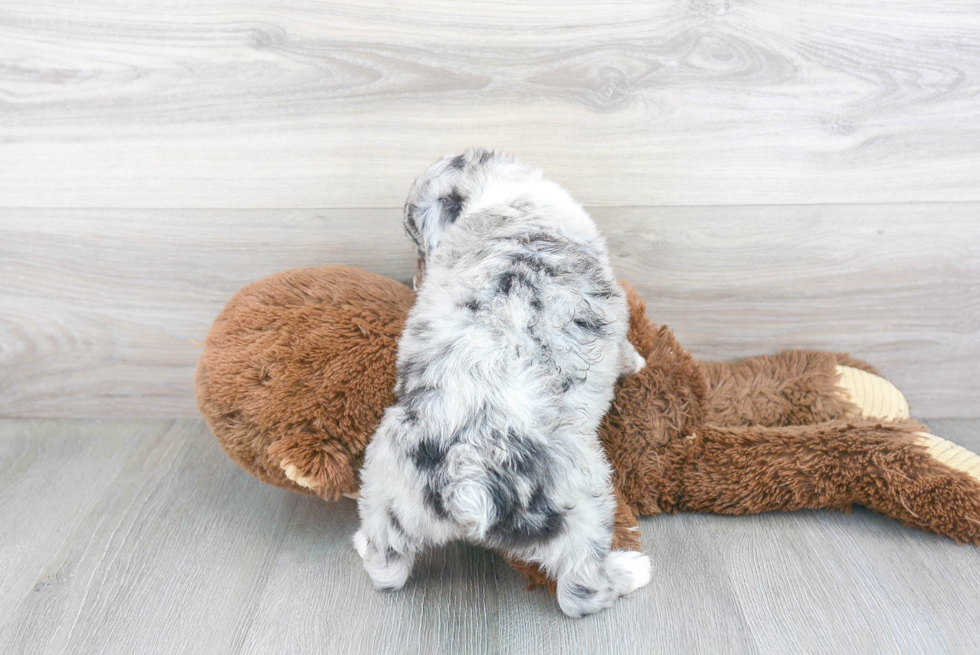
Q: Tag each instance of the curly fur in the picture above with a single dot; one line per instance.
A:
(505, 370)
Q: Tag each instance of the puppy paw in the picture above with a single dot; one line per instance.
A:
(628, 569)
(630, 361)
(387, 573)
(360, 544)
(638, 363)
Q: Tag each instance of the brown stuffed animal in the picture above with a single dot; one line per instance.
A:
(299, 367)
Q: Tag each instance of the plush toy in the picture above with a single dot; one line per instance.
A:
(299, 367)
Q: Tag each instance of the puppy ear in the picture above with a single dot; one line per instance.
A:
(435, 202)
(435, 212)
(411, 224)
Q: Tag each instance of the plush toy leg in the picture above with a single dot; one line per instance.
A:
(896, 469)
(948, 453)
(798, 387)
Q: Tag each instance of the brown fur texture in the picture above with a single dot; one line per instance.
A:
(299, 367)
(777, 390)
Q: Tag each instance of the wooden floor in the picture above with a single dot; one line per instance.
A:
(141, 536)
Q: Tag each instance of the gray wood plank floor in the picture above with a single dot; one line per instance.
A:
(141, 536)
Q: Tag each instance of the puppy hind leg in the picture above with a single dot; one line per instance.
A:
(388, 553)
(591, 576)
(596, 584)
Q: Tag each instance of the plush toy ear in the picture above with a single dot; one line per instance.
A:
(316, 463)
(642, 331)
(661, 403)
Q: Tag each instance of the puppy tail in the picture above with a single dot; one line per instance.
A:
(471, 505)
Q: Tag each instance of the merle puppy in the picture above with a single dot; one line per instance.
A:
(505, 368)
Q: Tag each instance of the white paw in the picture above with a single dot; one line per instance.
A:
(638, 363)
(391, 576)
(293, 474)
(386, 573)
(629, 569)
(360, 544)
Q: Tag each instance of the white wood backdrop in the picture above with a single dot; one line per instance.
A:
(769, 174)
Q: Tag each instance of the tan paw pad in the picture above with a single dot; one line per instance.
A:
(874, 395)
(948, 453)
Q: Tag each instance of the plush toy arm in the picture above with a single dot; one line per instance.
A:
(798, 387)
(896, 469)
(320, 465)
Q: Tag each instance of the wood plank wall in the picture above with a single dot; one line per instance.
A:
(769, 175)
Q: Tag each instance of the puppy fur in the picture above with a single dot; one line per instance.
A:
(506, 367)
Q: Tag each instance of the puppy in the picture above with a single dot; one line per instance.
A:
(506, 366)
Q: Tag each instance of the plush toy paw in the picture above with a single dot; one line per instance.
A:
(314, 463)
(876, 397)
(294, 474)
(309, 482)
(948, 453)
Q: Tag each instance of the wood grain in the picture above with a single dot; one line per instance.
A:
(796, 574)
(100, 309)
(157, 539)
(102, 313)
(897, 285)
(298, 104)
(142, 536)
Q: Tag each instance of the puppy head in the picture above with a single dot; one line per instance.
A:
(438, 197)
